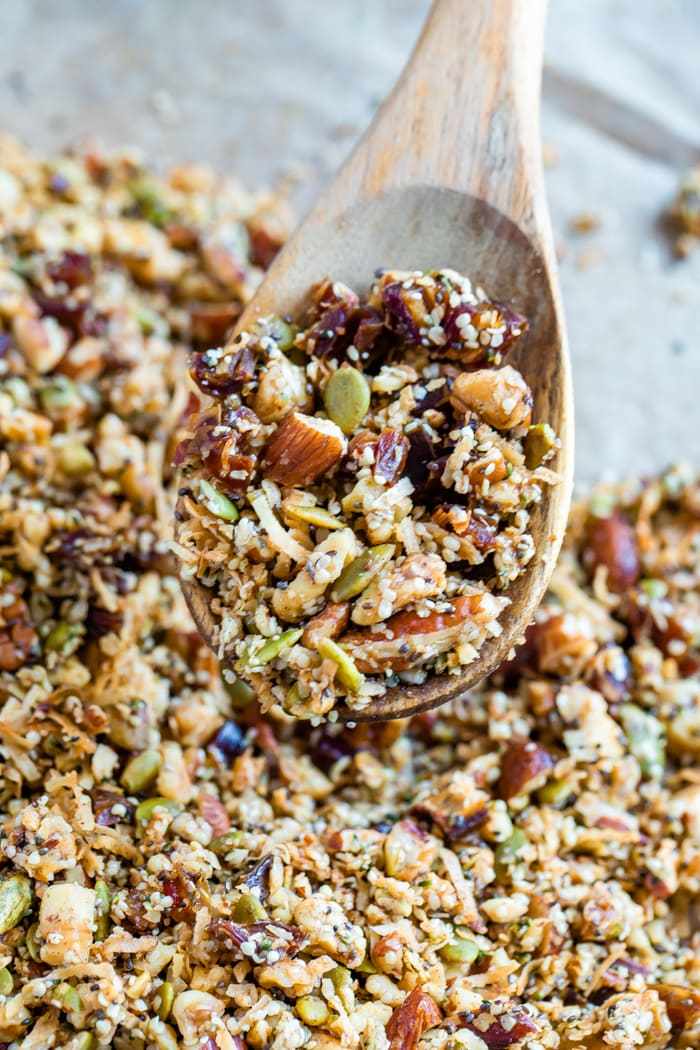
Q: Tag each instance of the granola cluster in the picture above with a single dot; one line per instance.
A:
(358, 496)
(518, 871)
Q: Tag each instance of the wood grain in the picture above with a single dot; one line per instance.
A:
(449, 174)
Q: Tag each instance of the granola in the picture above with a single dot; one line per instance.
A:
(358, 490)
(520, 869)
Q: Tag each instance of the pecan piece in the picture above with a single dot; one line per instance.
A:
(417, 1013)
(328, 624)
(302, 448)
(523, 764)
(612, 543)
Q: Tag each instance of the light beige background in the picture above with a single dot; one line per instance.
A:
(259, 88)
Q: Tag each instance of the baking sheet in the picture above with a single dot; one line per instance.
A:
(274, 89)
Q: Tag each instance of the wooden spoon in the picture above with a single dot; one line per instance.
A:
(450, 174)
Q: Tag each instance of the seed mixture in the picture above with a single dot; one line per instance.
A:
(358, 496)
(520, 869)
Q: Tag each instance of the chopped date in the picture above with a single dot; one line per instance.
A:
(453, 825)
(612, 543)
(222, 441)
(68, 311)
(101, 622)
(421, 462)
(523, 762)
(390, 455)
(111, 807)
(260, 938)
(409, 1021)
(72, 269)
(182, 888)
(499, 1032)
(19, 643)
(476, 318)
(258, 878)
(220, 373)
(430, 399)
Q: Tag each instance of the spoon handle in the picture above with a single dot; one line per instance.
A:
(465, 111)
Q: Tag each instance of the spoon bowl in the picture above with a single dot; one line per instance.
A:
(449, 175)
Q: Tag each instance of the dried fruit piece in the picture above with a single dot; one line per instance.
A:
(301, 449)
(416, 1014)
(611, 542)
(347, 398)
(390, 455)
(498, 1031)
(523, 765)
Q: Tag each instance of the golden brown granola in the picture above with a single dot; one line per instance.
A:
(520, 869)
(357, 496)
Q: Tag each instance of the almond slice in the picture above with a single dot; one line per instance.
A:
(302, 448)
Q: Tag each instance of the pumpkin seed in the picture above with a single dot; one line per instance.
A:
(103, 899)
(141, 770)
(341, 977)
(15, 901)
(248, 909)
(347, 398)
(312, 1010)
(223, 844)
(555, 793)
(6, 982)
(146, 809)
(163, 1001)
(316, 516)
(215, 501)
(86, 1041)
(33, 943)
(645, 737)
(69, 998)
(240, 693)
(60, 636)
(507, 852)
(460, 950)
(75, 459)
(539, 441)
(274, 646)
(357, 576)
(346, 671)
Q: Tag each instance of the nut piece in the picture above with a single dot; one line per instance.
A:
(612, 542)
(502, 397)
(301, 449)
(417, 1013)
(523, 767)
(282, 387)
(66, 922)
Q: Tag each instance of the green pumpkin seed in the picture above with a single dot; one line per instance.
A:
(248, 909)
(346, 671)
(555, 793)
(103, 899)
(654, 588)
(645, 737)
(163, 1000)
(346, 398)
(33, 943)
(507, 852)
(6, 982)
(460, 950)
(281, 331)
(358, 575)
(315, 516)
(341, 977)
(15, 901)
(223, 844)
(141, 770)
(240, 693)
(312, 1010)
(86, 1041)
(75, 459)
(215, 501)
(539, 442)
(146, 809)
(60, 636)
(274, 646)
(69, 998)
